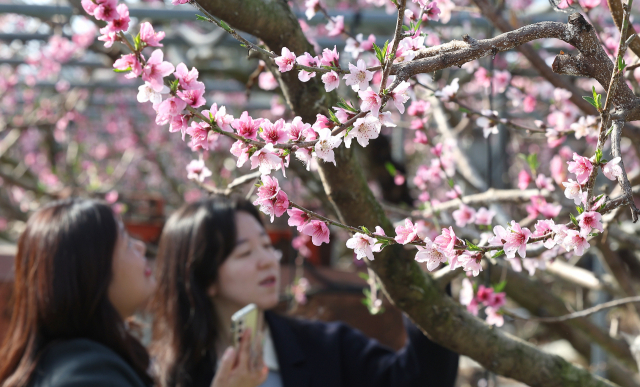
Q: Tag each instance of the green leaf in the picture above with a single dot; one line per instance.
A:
(593, 91)
(621, 64)
(366, 230)
(500, 253)
(580, 209)
(499, 286)
(202, 18)
(333, 117)
(390, 168)
(471, 246)
(379, 53)
(451, 183)
(418, 24)
(122, 71)
(364, 276)
(174, 86)
(591, 101)
(405, 28)
(598, 156)
(609, 131)
(573, 220)
(464, 110)
(532, 160)
(137, 42)
(225, 26)
(211, 118)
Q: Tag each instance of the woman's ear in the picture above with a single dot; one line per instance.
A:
(212, 290)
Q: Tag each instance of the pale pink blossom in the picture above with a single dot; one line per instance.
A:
(330, 57)
(275, 206)
(560, 235)
(487, 122)
(573, 190)
(584, 127)
(539, 206)
(101, 9)
(147, 94)
(246, 126)
(156, 69)
(501, 81)
(179, 123)
(326, 143)
(431, 10)
(500, 237)
(588, 4)
(358, 77)
(524, 179)
(362, 245)
(149, 36)
(187, 79)
(358, 45)
(304, 155)
(196, 170)
(529, 103)
(199, 132)
(241, 150)
(484, 216)
(466, 292)
(418, 108)
(307, 60)
(464, 215)
(168, 109)
(318, 231)
(612, 169)
(407, 233)
(454, 192)
(516, 240)
(386, 120)
(447, 240)
(286, 60)
(581, 166)
(120, 21)
(471, 263)
(296, 129)
(493, 317)
(448, 92)
(109, 39)
(297, 218)
(544, 182)
(130, 62)
(364, 129)
(220, 117)
(557, 168)
(312, 6)
(588, 221)
(497, 300)
(331, 80)
(266, 81)
(266, 159)
(400, 95)
(432, 254)
(274, 133)
(269, 188)
(576, 242)
(193, 98)
(322, 122)
(370, 101)
(335, 26)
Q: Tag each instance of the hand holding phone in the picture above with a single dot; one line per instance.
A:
(236, 368)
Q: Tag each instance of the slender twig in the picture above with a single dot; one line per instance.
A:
(623, 180)
(402, 6)
(582, 313)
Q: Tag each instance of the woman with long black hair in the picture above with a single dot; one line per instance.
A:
(78, 277)
(214, 258)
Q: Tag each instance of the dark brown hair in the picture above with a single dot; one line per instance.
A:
(195, 241)
(62, 275)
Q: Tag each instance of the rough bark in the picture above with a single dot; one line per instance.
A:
(410, 289)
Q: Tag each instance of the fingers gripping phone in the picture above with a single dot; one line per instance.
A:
(247, 317)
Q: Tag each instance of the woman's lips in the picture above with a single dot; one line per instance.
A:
(148, 271)
(269, 281)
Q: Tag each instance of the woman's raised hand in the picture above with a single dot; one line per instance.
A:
(238, 368)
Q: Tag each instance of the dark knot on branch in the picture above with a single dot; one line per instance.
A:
(577, 20)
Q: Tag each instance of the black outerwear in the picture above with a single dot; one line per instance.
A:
(320, 354)
(83, 363)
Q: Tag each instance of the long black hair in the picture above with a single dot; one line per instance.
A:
(195, 241)
(63, 269)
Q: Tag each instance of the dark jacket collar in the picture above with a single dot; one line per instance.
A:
(294, 369)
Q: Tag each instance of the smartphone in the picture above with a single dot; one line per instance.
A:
(247, 317)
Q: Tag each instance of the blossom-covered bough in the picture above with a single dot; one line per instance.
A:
(322, 133)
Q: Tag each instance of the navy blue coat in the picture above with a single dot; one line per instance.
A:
(320, 354)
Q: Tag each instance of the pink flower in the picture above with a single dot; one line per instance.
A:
(471, 262)
(129, 62)
(155, 70)
(267, 159)
(362, 245)
(529, 103)
(358, 77)
(331, 80)
(267, 81)
(274, 133)
(589, 220)
(220, 117)
(484, 216)
(269, 188)
(192, 97)
(321, 123)
(484, 294)
(573, 190)
(501, 81)
(539, 205)
(246, 126)
(330, 57)
(274, 206)
(298, 218)
(286, 60)
(149, 36)
(196, 170)
(364, 129)
(120, 21)
(241, 151)
(370, 101)
(447, 240)
(516, 240)
(147, 94)
(544, 182)
(581, 166)
(576, 242)
(169, 108)
(179, 123)
(431, 10)
(500, 237)
(318, 231)
(199, 132)
(326, 143)
(101, 9)
(307, 60)
(493, 317)
(296, 129)
(448, 92)
(496, 300)
(188, 80)
(466, 292)
(557, 169)
(358, 45)
(89, 6)
(335, 26)
(561, 232)
(406, 234)
(464, 215)
(588, 4)
(312, 7)
(109, 39)
(400, 95)
(418, 108)
(612, 169)
(432, 254)
(543, 227)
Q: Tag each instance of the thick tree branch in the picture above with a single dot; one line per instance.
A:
(617, 12)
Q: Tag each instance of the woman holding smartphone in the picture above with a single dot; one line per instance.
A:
(214, 258)
(78, 277)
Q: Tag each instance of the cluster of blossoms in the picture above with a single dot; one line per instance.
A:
(487, 297)
(467, 215)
